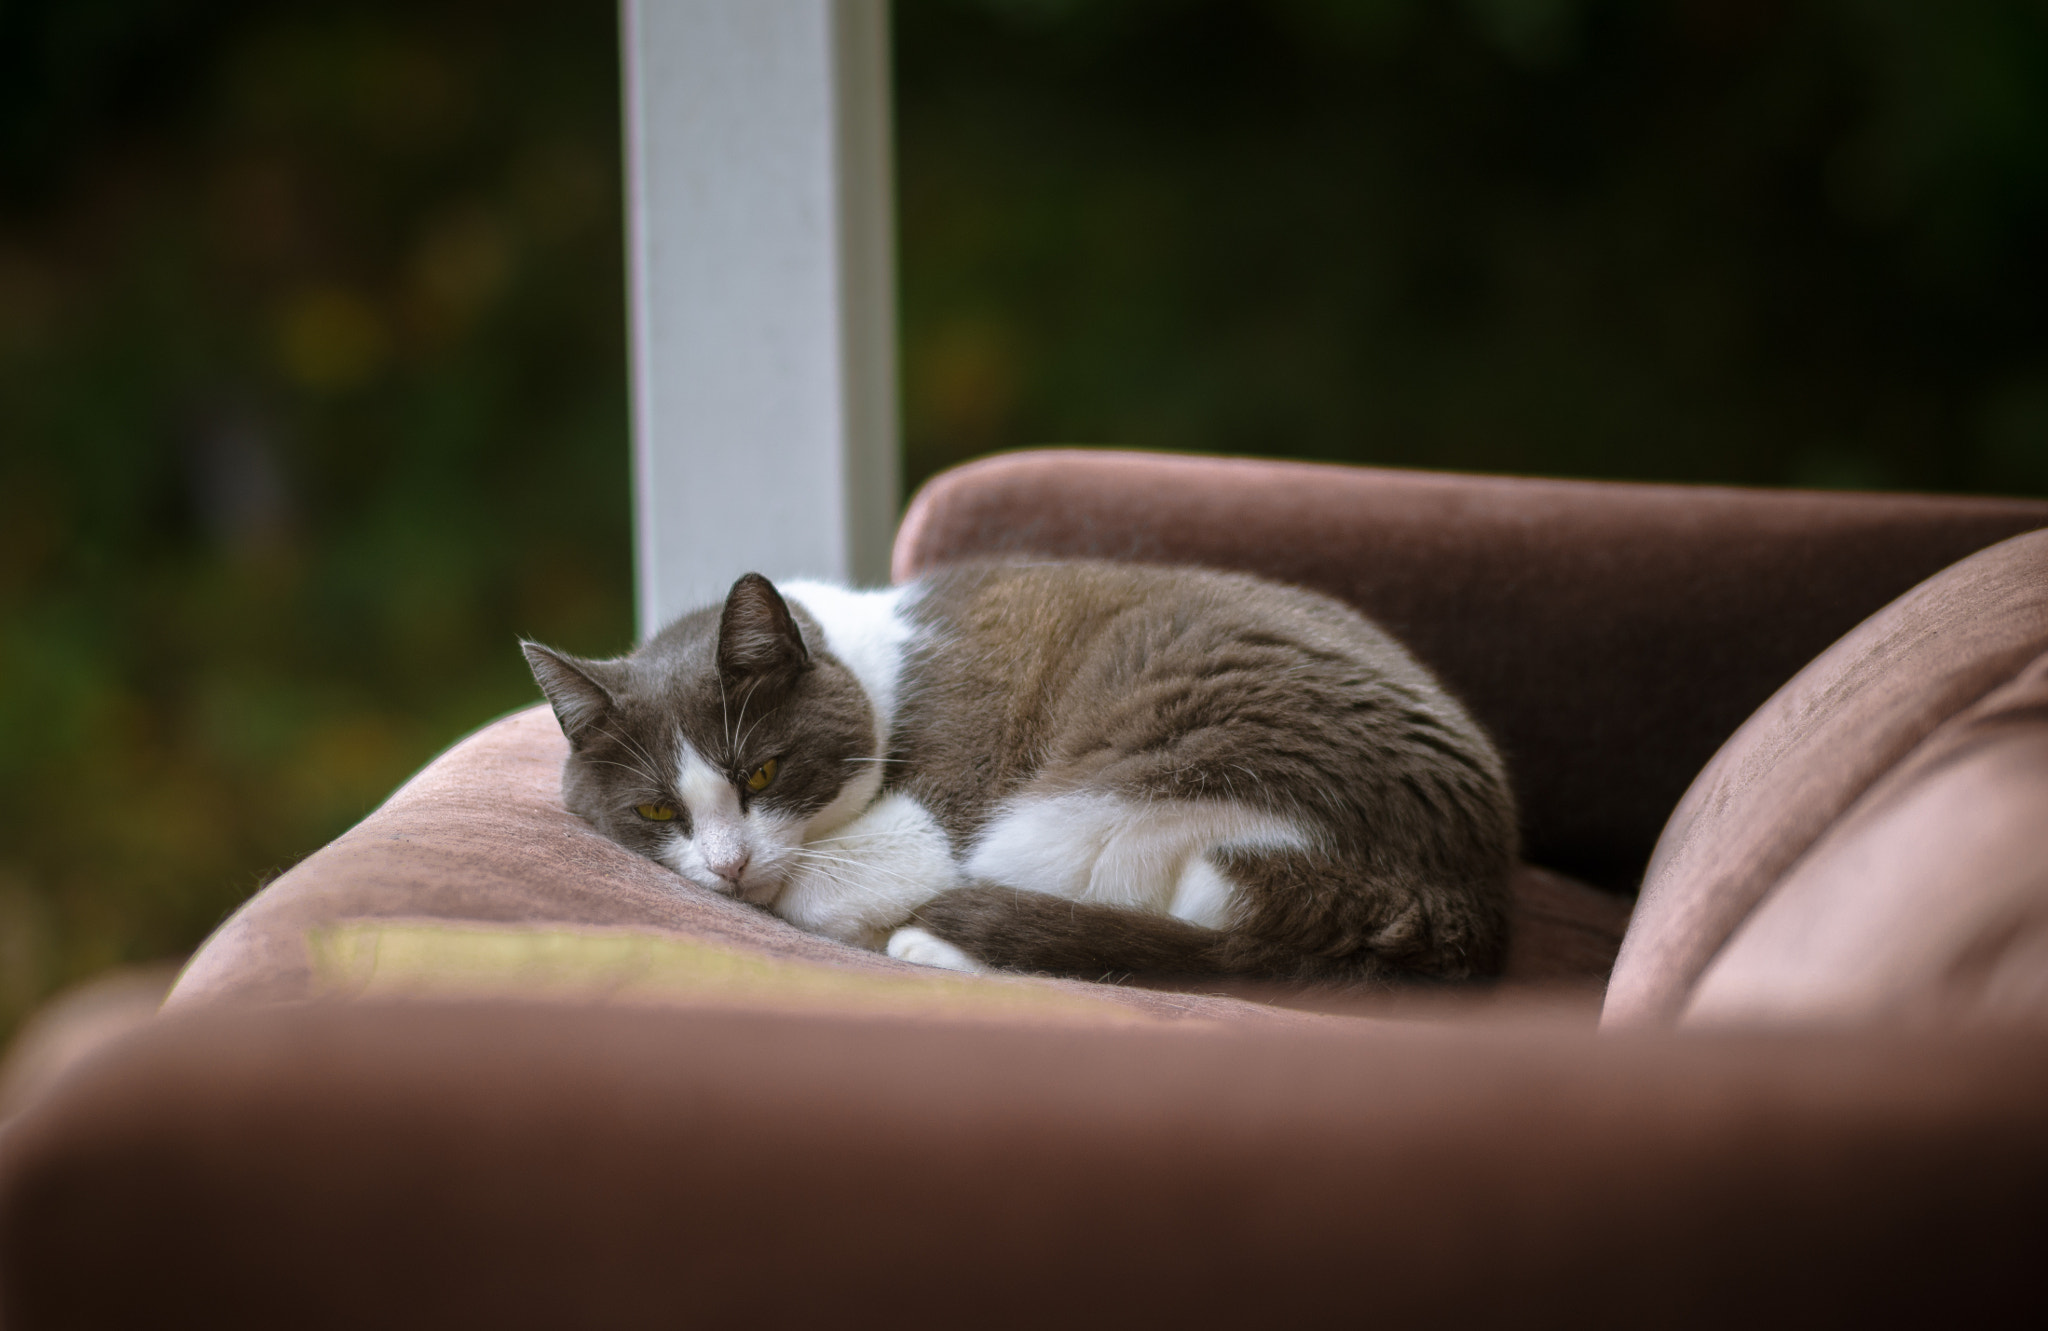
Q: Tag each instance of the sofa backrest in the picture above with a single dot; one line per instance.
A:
(1611, 636)
(1873, 842)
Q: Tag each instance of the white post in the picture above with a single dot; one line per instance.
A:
(763, 294)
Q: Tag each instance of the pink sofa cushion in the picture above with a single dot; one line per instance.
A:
(1927, 903)
(473, 878)
(1812, 751)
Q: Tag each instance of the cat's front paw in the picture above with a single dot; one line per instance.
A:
(911, 943)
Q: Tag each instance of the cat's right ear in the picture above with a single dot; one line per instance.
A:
(757, 636)
(579, 697)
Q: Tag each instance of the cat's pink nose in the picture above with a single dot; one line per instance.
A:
(730, 868)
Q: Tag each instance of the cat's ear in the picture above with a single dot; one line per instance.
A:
(575, 688)
(757, 636)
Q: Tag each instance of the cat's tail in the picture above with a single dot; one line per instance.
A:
(1032, 931)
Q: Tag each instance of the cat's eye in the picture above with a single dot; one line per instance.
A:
(656, 813)
(763, 775)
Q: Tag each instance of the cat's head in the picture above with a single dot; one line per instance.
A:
(720, 744)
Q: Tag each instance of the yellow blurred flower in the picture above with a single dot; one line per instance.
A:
(331, 339)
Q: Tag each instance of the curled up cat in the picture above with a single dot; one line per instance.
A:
(1082, 769)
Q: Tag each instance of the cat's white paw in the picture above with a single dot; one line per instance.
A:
(911, 943)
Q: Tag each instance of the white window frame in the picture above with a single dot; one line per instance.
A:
(761, 262)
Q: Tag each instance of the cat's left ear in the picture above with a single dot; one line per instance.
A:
(757, 636)
(576, 689)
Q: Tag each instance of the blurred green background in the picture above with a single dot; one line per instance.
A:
(312, 370)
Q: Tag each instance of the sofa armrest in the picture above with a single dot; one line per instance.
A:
(507, 1166)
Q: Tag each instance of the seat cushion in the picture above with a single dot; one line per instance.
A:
(473, 879)
(1816, 750)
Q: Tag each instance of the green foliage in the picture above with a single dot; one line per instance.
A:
(312, 394)
(312, 388)
(1721, 240)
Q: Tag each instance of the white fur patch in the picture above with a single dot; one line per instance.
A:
(727, 850)
(867, 631)
(865, 878)
(1203, 895)
(1087, 846)
(706, 792)
(928, 949)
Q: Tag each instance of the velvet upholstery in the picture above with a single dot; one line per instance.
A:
(1610, 636)
(547, 1166)
(1814, 749)
(1926, 904)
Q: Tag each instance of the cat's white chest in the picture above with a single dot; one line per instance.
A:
(860, 881)
(865, 862)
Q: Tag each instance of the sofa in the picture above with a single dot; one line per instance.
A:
(1771, 1045)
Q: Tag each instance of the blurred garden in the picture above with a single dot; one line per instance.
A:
(312, 357)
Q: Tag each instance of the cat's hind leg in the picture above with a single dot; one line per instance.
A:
(1289, 916)
(1008, 929)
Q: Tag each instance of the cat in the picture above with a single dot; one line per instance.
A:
(1086, 769)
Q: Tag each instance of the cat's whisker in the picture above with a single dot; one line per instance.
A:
(638, 751)
(831, 878)
(739, 732)
(635, 768)
(820, 865)
(724, 714)
(841, 859)
(827, 858)
(623, 767)
(757, 721)
(641, 766)
(866, 866)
